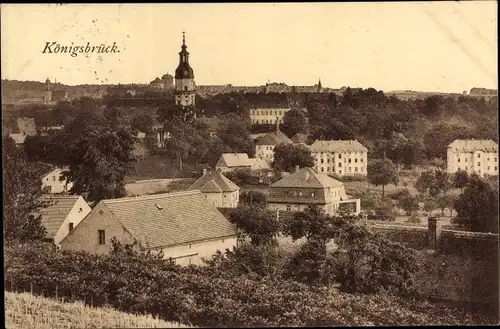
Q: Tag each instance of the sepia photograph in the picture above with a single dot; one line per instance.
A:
(184, 165)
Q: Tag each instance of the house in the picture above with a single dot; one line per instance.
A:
(264, 146)
(341, 157)
(62, 215)
(298, 190)
(218, 189)
(53, 181)
(232, 161)
(184, 225)
(474, 156)
(268, 116)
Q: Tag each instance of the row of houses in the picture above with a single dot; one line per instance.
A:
(186, 226)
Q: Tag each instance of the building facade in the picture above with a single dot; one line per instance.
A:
(218, 189)
(268, 116)
(185, 87)
(264, 146)
(183, 225)
(342, 157)
(53, 182)
(306, 187)
(473, 156)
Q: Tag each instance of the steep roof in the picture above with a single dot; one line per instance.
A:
(274, 139)
(213, 182)
(169, 219)
(338, 145)
(308, 178)
(471, 145)
(54, 215)
(236, 159)
(299, 138)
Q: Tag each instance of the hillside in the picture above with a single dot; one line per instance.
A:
(23, 310)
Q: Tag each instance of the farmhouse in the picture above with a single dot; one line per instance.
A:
(218, 189)
(184, 225)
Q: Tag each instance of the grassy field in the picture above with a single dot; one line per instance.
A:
(24, 311)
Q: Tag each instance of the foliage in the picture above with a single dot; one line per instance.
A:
(477, 207)
(253, 198)
(445, 202)
(234, 135)
(460, 179)
(382, 172)
(22, 189)
(261, 225)
(99, 161)
(287, 156)
(294, 122)
(407, 202)
(142, 122)
(242, 177)
(434, 182)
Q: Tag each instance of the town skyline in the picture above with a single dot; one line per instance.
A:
(443, 47)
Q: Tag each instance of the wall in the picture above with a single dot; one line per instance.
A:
(223, 200)
(75, 216)
(468, 243)
(193, 253)
(85, 237)
(412, 236)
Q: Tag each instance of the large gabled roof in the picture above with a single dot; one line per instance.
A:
(55, 213)
(164, 220)
(236, 160)
(471, 145)
(213, 182)
(307, 178)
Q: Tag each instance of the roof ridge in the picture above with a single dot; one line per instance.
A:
(151, 197)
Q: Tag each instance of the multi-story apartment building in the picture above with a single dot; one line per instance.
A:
(341, 157)
(268, 116)
(304, 187)
(473, 156)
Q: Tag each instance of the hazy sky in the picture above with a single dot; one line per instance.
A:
(437, 46)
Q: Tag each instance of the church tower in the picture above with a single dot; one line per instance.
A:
(47, 94)
(185, 88)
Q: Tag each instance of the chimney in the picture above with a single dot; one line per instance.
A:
(297, 168)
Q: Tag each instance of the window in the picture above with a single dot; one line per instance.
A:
(312, 194)
(288, 207)
(101, 212)
(349, 160)
(322, 160)
(465, 167)
(488, 167)
(294, 193)
(479, 164)
(495, 159)
(102, 236)
(322, 169)
(189, 246)
(300, 193)
(361, 159)
(356, 169)
(54, 178)
(488, 159)
(340, 164)
(479, 155)
(356, 160)
(465, 159)
(70, 226)
(340, 172)
(458, 159)
(496, 168)
(340, 156)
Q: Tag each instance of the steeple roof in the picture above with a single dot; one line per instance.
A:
(184, 70)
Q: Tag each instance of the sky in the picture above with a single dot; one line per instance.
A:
(423, 46)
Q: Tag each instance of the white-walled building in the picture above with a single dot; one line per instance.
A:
(473, 156)
(53, 181)
(62, 215)
(264, 146)
(233, 161)
(184, 225)
(340, 157)
(218, 189)
(268, 116)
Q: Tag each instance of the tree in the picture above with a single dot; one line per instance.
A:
(434, 182)
(444, 202)
(234, 134)
(253, 198)
(99, 162)
(261, 225)
(142, 122)
(443, 181)
(294, 122)
(429, 206)
(460, 180)
(477, 207)
(21, 196)
(382, 172)
(287, 156)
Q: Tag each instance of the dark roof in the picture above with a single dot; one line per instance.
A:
(274, 139)
(299, 138)
(307, 177)
(169, 219)
(54, 215)
(213, 182)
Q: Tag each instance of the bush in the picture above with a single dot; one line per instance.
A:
(242, 177)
